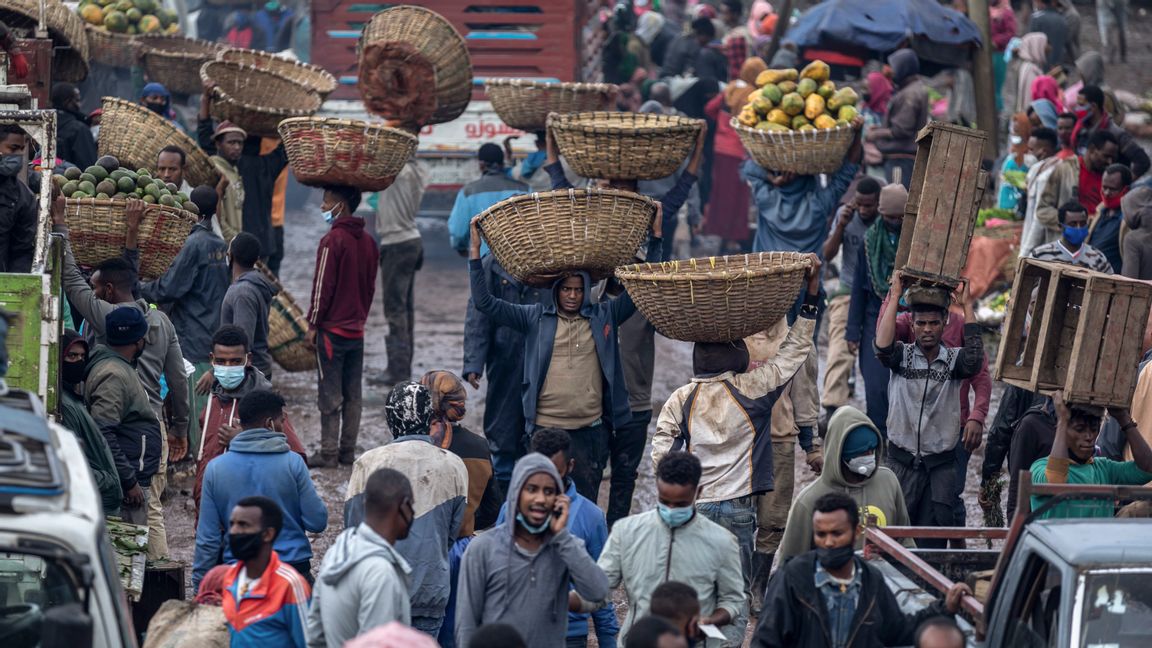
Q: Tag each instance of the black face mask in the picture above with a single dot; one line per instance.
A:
(245, 546)
(159, 109)
(72, 373)
(834, 558)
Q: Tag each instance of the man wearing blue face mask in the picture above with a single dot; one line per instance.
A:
(1070, 247)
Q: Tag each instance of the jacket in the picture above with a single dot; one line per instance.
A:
(500, 583)
(672, 191)
(259, 173)
(726, 419)
(794, 614)
(345, 280)
(643, 551)
(1137, 242)
(474, 198)
(878, 495)
(258, 462)
(194, 286)
(18, 210)
(119, 405)
(75, 417)
(246, 305)
(1051, 183)
(273, 613)
(483, 505)
(908, 111)
(794, 218)
(221, 410)
(362, 584)
(440, 484)
(74, 141)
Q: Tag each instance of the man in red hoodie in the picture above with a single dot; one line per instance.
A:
(342, 292)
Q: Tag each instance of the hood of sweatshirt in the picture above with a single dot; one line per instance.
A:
(528, 465)
(905, 64)
(100, 353)
(354, 546)
(263, 284)
(586, 307)
(845, 420)
(259, 441)
(354, 225)
(253, 380)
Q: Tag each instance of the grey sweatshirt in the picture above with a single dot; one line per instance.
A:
(246, 305)
(501, 583)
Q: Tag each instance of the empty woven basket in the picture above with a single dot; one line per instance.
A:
(310, 76)
(65, 27)
(287, 330)
(525, 104)
(345, 152)
(98, 229)
(801, 152)
(256, 100)
(624, 145)
(134, 136)
(175, 60)
(538, 236)
(716, 299)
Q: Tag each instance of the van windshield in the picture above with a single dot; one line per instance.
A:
(1117, 606)
(29, 586)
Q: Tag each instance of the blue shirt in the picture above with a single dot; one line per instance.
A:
(794, 217)
(473, 199)
(840, 602)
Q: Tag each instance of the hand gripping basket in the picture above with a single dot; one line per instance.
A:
(310, 76)
(537, 237)
(134, 135)
(256, 100)
(716, 299)
(624, 145)
(287, 330)
(525, 104)
(110, 48)
(175, 60)
(345, 152)
(65, 27)
(801, 152)
(414, 67)
(97, 230)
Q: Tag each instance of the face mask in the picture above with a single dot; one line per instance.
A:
(863, 465)
(157, 108)
(228, 377)
(1075, 235)
(10, 165)
(675, 517)
(833, 558)
(72, 373)
(329, 215)
(244, 546)
(1080, 110)
(534, 530)
(1113, 201)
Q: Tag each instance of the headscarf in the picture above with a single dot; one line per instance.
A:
(1045, 87)
(448, 404)
(893, 199)
(879, 93)
(212, 586)
(736, 94)
(408, 409)
(756, 14)
(1046, 111)
(648, 26)
(1032, 47)
(905, 65)
(714, 358)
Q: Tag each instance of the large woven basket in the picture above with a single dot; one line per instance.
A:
(525, 104)
(70, 56)
(536, 237)
(97, 230)
(134, 135)
(624, 145)
(716, 299)
(414, 67)
(310, 76)
(175, 60)
(110, 48)
(801, 152)
(256, 100)
(287, 330)
(345, 152)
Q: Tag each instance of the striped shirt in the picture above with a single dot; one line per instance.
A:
(1087, 256)
(271, 611)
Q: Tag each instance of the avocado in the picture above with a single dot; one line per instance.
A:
(106, 187)
(78, 195)
(152, 190)
(168, 201)
(102, 196)
(171, 187)
(87, 187)
(73, 173)
(126, 184)
(88, 177)
(109, 163)
(143, 172)
(97, 172)
(59, 181)
(191, 207)
(70, 188)
(143, 181)
(150, 199)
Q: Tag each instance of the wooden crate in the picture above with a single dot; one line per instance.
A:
(1086, 335)
(943, 198)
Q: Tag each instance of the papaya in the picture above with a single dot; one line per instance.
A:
(817, 70)
(813, 106)
(824, 122)
(775, 76)
(798, 121)
(806, 127)
(826, 90)
(123, 5)
(747, 116)
(146, 6)
(787, 87)
(842, 97)
(762, 105)
(92, 14)
(133, 15)
(167, 17)
(805, 87)
(772, 93)
(772, 126)
(116, 22)
(150, 25)
(847, 114)
(779, 117)
(792, 104)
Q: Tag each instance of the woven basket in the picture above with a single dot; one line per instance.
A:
(97, 230)
(134, 135)
(256, 100)
(538, 236)
(622, 145)
(110, 48)
(414, 67)
(310, 76)
(345, 152)
(526, 104)
(801, 152)
(175, 60)
(70, 56)
(287, 330)
(716, 299)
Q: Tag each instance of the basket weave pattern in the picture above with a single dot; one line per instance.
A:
(621, 145)
(802, 152)
(414, 67)
(345, 152)
(539, 236)
(97, 230)
(134, 135)
(305, 74)
(70, 56)
(287, 328)
(110, 48)
(175, 60)
(256, 100)
(716, 299)
(526, 104)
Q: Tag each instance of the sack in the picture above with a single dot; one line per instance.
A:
(185, 624)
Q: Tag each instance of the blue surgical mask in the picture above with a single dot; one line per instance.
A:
(675, 517)
(1075, 235)
(329, 215)
(534, 530)
(228, 377)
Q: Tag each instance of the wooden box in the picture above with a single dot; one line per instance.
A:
(943, 198)
(1086, 334)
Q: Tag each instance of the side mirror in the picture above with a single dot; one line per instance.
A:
(66, 626)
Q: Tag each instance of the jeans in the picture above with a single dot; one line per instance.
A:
(739, 517)
(398, 265)
(341, 373)
(447, 636)
(626, 449)
(428, 625)
(589, 450)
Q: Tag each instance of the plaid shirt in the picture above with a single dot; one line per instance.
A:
(735, 49)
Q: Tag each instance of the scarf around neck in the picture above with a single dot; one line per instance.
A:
(880, 247)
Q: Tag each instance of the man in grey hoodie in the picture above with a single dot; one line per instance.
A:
(518, 573)
(249, 297)
(363, 581)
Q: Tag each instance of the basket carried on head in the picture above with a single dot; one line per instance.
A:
(414, 67)
(97, 229)
(175, 60)
(345, 152)
(256, 100)
(306, 74)
(716, 299)
(135, 135)
(287, 330)
(65, 27)
(801, 152)
(110, 48)
(624, 145)
(536, 237)
(525, 104)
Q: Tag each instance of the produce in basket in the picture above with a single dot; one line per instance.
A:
(105, 180)
(788, 100)
(129, 16)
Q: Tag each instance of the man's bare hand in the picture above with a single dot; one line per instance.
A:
(310, 338)
(658, 221)
(57, 210)
(204, 385)
(226, 433)
(134, 213)
(813, 274)
(177, 448)
(816, 462)
(973, 435)
(854, 347)
(473, 379)
(955, 594)
(134, 497)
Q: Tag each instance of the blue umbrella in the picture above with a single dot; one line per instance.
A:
(882, 25)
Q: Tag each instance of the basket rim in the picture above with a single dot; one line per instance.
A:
(148, 44)
(674, 272)
(825, 133)
(325, 74)
(339, 122)
(138, 109)
(627, 122)
(515, 83)
(186, 215)
(111, 34)
(537, 196)
(222, 95)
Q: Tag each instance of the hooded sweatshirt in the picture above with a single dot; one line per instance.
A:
(501, 582)
(246, 305)
(345, 280)
(908, 111)
(1136, 206)
(877, 495)
(362, 584)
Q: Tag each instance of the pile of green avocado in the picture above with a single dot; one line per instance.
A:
(106, 180)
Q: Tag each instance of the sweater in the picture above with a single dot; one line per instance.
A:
(246, 305)
(345, 280)
(794, 217)
(75, 417)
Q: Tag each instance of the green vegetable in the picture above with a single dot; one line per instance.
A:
(1017, 179)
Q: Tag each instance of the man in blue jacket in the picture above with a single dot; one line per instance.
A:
(258, 462)
(493, 186)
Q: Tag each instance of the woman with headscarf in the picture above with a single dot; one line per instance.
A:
(1033, 56)
(1045, 87)
(1003, 24)
(1043, 113)
(879, 94)
(727, 215)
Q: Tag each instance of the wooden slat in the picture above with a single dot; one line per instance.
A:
(945, 186)
(1123, 383)
(1086, 353)
(919, 254)
(964, 212)
(1047, 335)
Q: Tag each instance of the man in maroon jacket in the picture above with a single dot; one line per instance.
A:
(342, 292)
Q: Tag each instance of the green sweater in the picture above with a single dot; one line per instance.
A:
(1099, 470)
(75, 417)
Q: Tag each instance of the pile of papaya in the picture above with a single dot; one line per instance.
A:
(129, 16)
(790, 100)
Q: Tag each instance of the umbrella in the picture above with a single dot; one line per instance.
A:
(882, 25)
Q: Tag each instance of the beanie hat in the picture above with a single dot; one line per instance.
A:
(893, 198)
(125, 326)
(226, 127)
(408, 409)
(860, 440)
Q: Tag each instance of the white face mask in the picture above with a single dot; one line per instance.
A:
(863, 465)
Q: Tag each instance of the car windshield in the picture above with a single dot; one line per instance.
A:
(1117, 608)
(30, 585)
